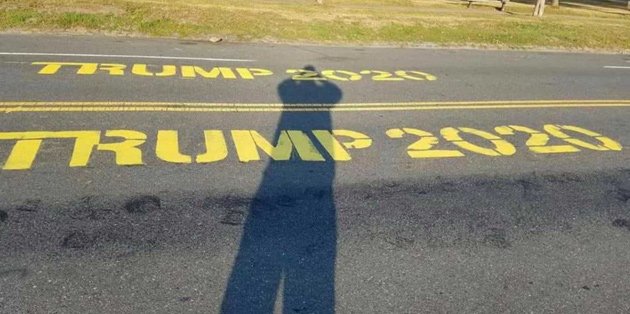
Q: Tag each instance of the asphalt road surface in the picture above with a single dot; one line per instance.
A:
(162, 176)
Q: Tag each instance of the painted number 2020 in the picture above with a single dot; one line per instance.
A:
(537, 141)
(347, 76)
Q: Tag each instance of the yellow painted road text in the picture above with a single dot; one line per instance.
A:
(225, 73)
(130, 147)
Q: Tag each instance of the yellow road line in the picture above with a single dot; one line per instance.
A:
(146, 103)
(11, 107)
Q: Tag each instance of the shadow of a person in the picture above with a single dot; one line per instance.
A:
(290, 235)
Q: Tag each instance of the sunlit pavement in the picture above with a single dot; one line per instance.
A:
(165, 176)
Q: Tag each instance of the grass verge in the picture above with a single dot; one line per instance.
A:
(574, 25)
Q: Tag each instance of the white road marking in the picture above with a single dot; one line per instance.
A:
(615, 67)
(118, 56)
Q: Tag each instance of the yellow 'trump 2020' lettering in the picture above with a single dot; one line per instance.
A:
(226, 73)
(128, 146)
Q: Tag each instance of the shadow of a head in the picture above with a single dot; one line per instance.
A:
(307, 86)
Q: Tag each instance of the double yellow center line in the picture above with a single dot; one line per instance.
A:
(124, 106)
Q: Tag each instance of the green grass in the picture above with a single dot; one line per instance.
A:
(446, 22)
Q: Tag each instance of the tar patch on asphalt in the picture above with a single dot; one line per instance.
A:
(143, 204)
